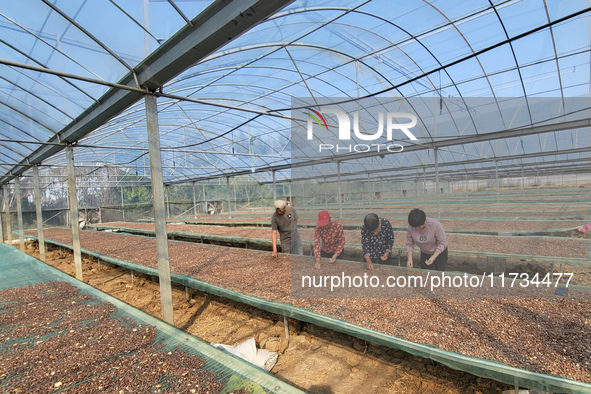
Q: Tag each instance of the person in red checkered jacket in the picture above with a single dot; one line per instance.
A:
(330, 235)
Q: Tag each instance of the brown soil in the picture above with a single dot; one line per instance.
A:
(499, 336)
(532, 246)
(314, 359)
(75, 345)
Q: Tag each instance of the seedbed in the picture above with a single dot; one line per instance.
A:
(549, 336)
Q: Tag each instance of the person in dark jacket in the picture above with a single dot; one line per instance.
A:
(377, 239)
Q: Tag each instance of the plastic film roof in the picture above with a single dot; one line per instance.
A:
(499, 84)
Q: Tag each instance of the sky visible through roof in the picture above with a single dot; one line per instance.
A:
(231, 112)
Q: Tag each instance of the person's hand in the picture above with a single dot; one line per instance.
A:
(317, 265)
(369, 262)
(333, 259)
(430, 260)
(274, 254)
(385, 256)
(409, 262)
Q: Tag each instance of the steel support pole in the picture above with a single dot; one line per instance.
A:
(339, 189)
(437, 183)
(466, 178)
(166, 193)
(159, 208)
(369, 189)
(497, 179)
(424, 183)
(228, 197)
(1, 224)
(286, 326)
(303, 191)
(74, 212)
(194, 201)
(7, 214)
(19, 212)
(523, 183)
(204, 202)
(274, 188)
(39, 213)
(122, 203)
(68, 222)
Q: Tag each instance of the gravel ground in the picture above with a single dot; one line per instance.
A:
(545, 335)
(52, 338)
(532, 246)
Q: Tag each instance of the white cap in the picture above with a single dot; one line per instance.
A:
(279, 204)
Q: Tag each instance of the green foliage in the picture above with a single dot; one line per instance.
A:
(136, 195)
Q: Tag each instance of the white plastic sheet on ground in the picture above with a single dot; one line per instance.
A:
(248, 351)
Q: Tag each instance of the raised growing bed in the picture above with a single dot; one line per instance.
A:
(60, 335)
(531, 246)
(542, 335)
(498, 225)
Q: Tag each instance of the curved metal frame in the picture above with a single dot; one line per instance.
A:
(225, 116)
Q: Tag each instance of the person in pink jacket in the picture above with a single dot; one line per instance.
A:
(428, 234)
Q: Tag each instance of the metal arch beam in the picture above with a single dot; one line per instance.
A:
(33, 60)
(470, 56)
(87, 33)
(401, 171)
(220, 23)
(232, 70)
(580, 165)
(252, 61)
(26, 116)
(282, 45)
(509, 170)
(576, 124)
(411, 37)
(36, 96)
(519, 132)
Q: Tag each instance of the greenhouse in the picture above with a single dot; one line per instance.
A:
(173, 173)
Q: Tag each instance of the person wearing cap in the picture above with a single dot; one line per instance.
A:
(284, 222)
(428, 234)
(330, 235)
(377, 239)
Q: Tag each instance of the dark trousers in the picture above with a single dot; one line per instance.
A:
(329, 255)
(439, 264)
